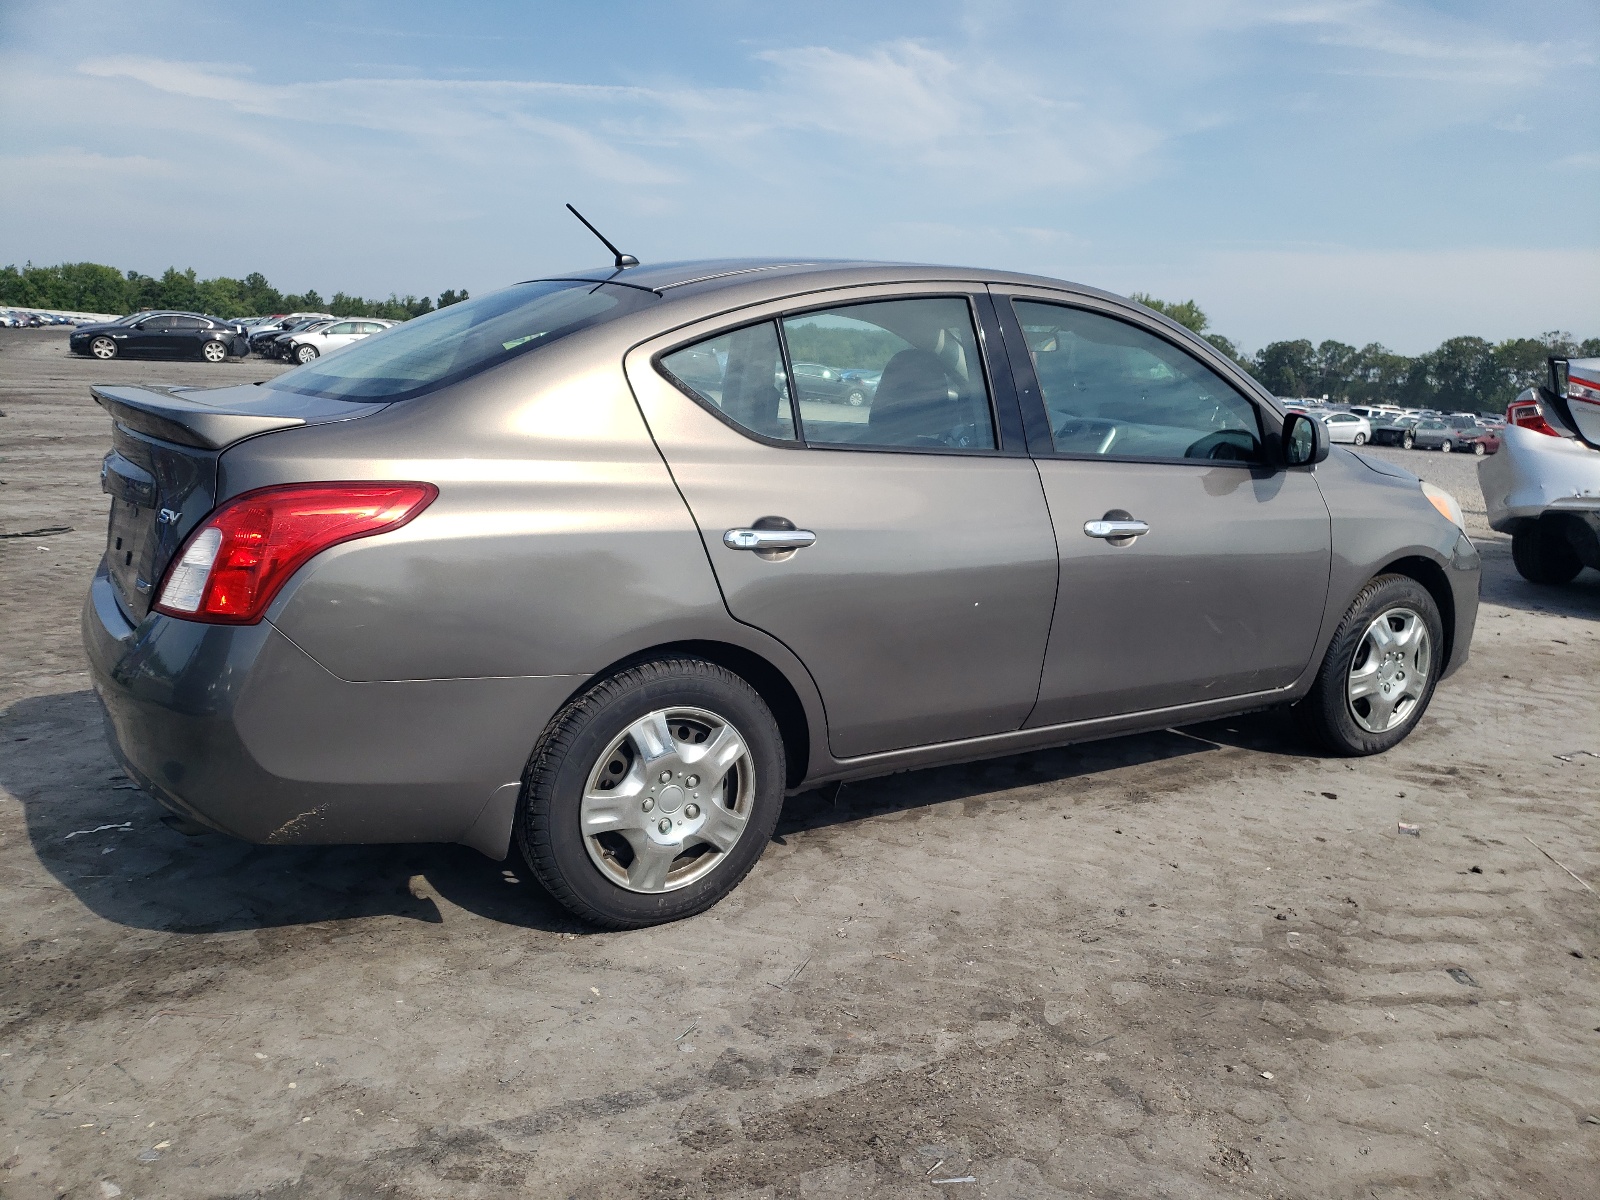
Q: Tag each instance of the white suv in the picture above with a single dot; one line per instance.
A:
(325, 339)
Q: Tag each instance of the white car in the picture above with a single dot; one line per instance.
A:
(325, 339)
(1545, 491)
(1347, 427)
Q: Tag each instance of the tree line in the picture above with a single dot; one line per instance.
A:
(96, 288)
(1462, 374)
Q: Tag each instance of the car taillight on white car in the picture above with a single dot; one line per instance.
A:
(233, 565)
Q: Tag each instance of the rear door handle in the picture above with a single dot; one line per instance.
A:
(768, 539)
(1115, 529)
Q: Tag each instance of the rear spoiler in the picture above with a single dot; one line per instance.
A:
(162, 413)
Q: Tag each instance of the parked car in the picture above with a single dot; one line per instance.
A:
(1443, 433)
(559, 570)
(161, 335)
(328, 336)
(1347, 427)
(1390, 430)
(265, 334)
(1544, 489)
(860, 386)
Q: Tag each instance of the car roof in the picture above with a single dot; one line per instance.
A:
(780, 275)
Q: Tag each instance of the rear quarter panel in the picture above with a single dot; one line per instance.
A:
(557, 539)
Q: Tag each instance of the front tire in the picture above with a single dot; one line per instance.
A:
(1542, 554)
(856, 398)
(1380, 670)
(103, 348)
(650, 796)
(1479, 449)
(305, 354)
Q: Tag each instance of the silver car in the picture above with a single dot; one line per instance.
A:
(573, 570)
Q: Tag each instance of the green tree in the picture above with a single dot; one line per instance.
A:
(1228, 348)
(451, 296)
(1186, 312)
(1288, 368)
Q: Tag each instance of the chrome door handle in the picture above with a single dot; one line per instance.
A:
(1115, 529)
(768, 539)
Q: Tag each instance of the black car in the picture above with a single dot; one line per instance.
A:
(161, 335)
(1391, 430)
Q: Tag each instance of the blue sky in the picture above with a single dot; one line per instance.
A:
(1371, 171)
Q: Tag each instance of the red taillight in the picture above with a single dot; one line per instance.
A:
(234, 563)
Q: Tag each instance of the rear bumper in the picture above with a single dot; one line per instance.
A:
(1534, 474)
(239, 729)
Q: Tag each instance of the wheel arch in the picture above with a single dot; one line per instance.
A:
(769, 681)
(1433, 579)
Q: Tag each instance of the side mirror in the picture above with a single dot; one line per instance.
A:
(1305, 440)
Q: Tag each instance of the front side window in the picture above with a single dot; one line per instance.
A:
(900, 373)
(462, 340)
(1112, 389)
(741, 375)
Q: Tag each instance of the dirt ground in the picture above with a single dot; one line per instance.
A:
(1193, 963)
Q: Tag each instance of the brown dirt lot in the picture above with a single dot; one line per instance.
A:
(1193, 963)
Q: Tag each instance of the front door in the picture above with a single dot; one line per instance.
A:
(922, 606)
(1194, 566)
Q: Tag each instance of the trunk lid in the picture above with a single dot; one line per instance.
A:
(161, 473)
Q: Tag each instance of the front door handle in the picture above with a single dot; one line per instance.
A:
(1111, 530)
(768, 539)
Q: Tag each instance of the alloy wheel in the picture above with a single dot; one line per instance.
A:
(214, 352)
(1389, 673)
(1447, 446)
(103, 347)
(667, 801)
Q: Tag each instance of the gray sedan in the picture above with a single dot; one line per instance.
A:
(575, 571)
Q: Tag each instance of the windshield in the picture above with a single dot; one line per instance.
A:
(462, 340)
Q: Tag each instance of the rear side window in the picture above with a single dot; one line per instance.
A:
(741, 375)
(901, 373)
(455, 343)
(1111, 389)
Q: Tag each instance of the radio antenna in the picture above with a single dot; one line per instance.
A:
(623, 260)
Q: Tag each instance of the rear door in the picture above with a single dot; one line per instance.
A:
(1221, 593)
(921, 591)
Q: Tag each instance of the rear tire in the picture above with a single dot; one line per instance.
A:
(1359, 440)
(1408, 442)
(1542, 554)
(1407, 671)
(598, 766)
(1446, 446)
(214, 352)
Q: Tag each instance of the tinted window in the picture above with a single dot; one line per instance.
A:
(741, 375)
(189, 323)
(891, 373)
(159, 323)
(1113, 389)
(462, 340)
